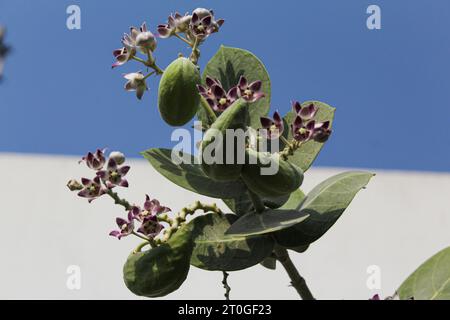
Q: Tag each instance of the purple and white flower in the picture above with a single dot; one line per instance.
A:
(123, 55)
(126, 227)
(307, 112)
(136, 82)
(114, 174)
(203, 24)
(272, 127)
(145, 40)
(302, 131)
(148, 216)
(216, 96)
(150, 226)
(141, 39)
(95, 160)
(176, 23)
(220, 100)
(92, 189)
(250, 92)
(152, 207)
(322, 131)
(304, 128)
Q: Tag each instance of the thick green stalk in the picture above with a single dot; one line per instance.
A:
(209, 111)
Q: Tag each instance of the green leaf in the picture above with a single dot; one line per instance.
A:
(227, 65)
(243, 204)
(324, 204)
(300, 249)
(265, 222)
(269, 263)
(294, 200)
(307, 153)
(431, 281)
(190, 176)
(240, 205)
(213, 252)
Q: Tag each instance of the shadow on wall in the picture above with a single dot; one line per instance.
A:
(4, 50)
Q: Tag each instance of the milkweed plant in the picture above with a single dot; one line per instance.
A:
(253, 162)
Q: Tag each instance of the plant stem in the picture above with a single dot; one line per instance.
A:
(257, 202)
(195, 52)
(286, 142)
(297, 281)
(150, 241)
(157, 69)
(148, 75)
(209, 111)
(290, 148)
(139, 247)
(183, 39)
(226, 286)
(117, 200)
(149, 63)
(140, 60)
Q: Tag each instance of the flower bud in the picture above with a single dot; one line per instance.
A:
(146, 40)
(74, 185)
(118, 157)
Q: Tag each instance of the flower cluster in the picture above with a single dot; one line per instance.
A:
(305, 128)
(193, 29)
(146, 216)
(138, 40)
(109, 174)
(196, 26)
(219, 99)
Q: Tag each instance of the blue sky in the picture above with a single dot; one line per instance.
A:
(390, 86)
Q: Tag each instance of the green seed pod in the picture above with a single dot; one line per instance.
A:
(285, 178)
(228, 129)
(178, 97)
(161, 270)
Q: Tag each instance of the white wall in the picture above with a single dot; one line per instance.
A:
(401, 219)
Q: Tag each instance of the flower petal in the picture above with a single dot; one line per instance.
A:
(233, 93)
(123, 170)
(123, 183)
(266, 122)
(296, 106)
(255, 86)
(242, 83)
(218, 91)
